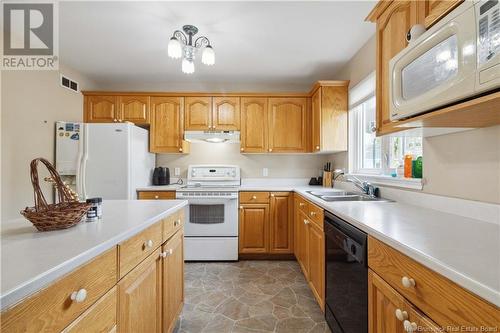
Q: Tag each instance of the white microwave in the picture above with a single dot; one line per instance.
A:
(458, 58)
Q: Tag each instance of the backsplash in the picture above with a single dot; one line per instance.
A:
(278, 165)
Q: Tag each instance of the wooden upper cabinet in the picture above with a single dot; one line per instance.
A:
(166, 132)
(226, 113)
(198, 113)
(393, 22)
(254, 228)
(287, 125)
(434, 10)
(254, 125)
(101, 109)
(329, 117)
(140, 297)
(281, 219)
(134, 109)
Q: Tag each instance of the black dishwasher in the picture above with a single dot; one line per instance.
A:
(346, 309)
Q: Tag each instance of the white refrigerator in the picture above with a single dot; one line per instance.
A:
(106, 160)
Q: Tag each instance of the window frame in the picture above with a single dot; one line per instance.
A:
(381, 175)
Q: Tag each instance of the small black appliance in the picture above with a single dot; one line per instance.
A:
(161, 176)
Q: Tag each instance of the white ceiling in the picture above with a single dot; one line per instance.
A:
(259, 46)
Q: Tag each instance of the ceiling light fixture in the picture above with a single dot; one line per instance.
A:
(181, 45)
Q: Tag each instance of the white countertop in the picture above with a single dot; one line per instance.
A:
(30, 260)
(465, 250)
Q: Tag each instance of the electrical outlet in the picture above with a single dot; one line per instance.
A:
(177, 171)
(265, 172)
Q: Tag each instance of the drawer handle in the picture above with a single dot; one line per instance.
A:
(401, 315)
(157, 197)
(313, 213)
(302, 204)
(166, 253)
(254, 197)
(317, 147)
(272, 195)
(410, 327)
(407, 282)
(79, 296)
(177, 223)
(241, 207)
(306, 221)
(148, 244)
(242, 149)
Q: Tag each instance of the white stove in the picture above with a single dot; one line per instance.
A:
(211, 229)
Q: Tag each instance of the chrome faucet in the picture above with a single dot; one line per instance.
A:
(365, 187)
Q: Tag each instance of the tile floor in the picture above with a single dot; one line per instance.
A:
(249, 296)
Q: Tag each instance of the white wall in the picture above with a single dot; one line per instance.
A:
(31, 102)
(280, 166)
(463, 165)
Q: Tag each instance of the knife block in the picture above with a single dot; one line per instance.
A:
(327, 179)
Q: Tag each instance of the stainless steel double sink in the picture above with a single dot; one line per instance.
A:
(332, 196)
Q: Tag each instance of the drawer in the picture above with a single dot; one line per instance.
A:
(302, 205)
(315, 214)
(254, 197)
(156, 195)
(440, 299)
(52, 309)
(173, 223)
(136, 249)
(100, 317)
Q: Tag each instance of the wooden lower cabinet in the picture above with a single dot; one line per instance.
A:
(140, 297)
(155, 195)
(388, 311)
(173, 275)
(281, 228)
(254, 228)
(310, 247)
(316, 259)
(100, 317)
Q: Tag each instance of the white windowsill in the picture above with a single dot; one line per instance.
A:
(409, 183)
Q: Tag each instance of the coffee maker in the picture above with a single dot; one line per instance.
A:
(161, 176)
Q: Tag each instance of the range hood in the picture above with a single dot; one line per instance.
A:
(212, 136)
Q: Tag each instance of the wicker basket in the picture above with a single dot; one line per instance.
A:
(66, 213)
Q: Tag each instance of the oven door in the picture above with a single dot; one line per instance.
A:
(438, 68)
(212, 217)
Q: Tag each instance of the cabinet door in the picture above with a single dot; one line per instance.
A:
(101, 109)
(434, 10)
(198, 113)
(392, 27)
(383, 301)
(302, 242)
(139, 297)
(254, 228)
(134, 109)
(254, 128)
(287, 125)
(226, 113)
(166, 131)
(316, 259)
(281, 232)
(173, 280)
(316, 120)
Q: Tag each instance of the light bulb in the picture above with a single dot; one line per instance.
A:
(208, 56)
(174, 48)
(187, 66)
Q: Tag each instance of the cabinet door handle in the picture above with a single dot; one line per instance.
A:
(270, 149)
(157, 197)
(272, 194)
(166, 253)
(410, 326)
(242, 149)
(408, 282)
(313, 213)
(401, 315)
(306, 222)
(254, 197)
(177, 223)
(79, 296)
(180, 149)
(317, 147)
(241, 207)
(301, 204)
(148, 244)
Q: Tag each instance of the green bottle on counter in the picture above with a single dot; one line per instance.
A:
(417, 166)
